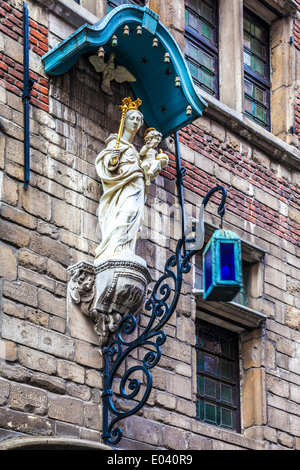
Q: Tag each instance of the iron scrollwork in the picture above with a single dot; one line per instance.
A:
(161, 305)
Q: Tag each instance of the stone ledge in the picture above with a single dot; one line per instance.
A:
(284, 7)
(52, 443)
(70, 11)
(238, 123)
(229, 314)
(227, 437)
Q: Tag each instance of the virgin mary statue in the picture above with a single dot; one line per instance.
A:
(122, 203)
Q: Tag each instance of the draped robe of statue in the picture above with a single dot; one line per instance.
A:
(121, 206)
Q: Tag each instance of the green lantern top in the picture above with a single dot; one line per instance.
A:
(224, 234)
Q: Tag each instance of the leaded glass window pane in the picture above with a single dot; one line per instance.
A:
(217, 376)
(202, 36)
(256, 69)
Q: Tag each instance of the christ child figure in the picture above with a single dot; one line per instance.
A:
(152, 162)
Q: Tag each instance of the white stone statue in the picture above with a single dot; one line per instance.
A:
(119, 166)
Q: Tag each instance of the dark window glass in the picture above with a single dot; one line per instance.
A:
(217, 376)
(256, 69)
(77, 1)
(201, 39)
(114, 3)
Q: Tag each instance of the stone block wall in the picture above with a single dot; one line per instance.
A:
(50, 383)
(50, 375)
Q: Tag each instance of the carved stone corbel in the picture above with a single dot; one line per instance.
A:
(107, 291)
(82, 285)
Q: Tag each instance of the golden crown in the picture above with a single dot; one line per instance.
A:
(129, 104)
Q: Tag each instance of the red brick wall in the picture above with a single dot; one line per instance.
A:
(11, 71)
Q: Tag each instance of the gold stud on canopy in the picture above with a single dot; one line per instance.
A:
(188, 110)
(126, 30)
(167, 58)
(114, 41)
(101, 52)
(177, 82)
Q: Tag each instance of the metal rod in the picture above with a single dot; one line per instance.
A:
(105, 397)
(180, 173)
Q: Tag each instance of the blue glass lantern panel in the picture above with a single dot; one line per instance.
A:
(227, 262)
(208, 269)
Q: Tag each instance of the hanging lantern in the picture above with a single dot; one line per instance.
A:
(126, 30)
(177, 82)
(222, 267)
(139, 30)
(114, 41)
(101, 52)
(167, 58)
(155, 42)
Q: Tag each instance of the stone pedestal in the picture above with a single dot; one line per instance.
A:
(105, 292)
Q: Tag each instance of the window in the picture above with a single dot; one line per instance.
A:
(217, 376)
(256, 69)
(201, 39)
(114, 3)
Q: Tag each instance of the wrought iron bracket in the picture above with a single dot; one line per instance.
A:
(161, 305)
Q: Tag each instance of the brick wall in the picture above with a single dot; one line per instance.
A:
(259, 193)
(11, 66)
(50, 378)
(50, 383)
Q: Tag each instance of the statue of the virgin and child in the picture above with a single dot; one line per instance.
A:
(125, 175)
(116, 284)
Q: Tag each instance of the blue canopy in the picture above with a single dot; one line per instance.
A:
(169, 99)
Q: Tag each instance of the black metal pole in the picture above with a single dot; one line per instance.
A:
(180, 172)
(28, 83)
(105, 399)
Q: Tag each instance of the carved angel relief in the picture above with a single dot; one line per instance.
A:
(110, 72)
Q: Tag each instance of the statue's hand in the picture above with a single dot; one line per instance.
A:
(114, 159)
